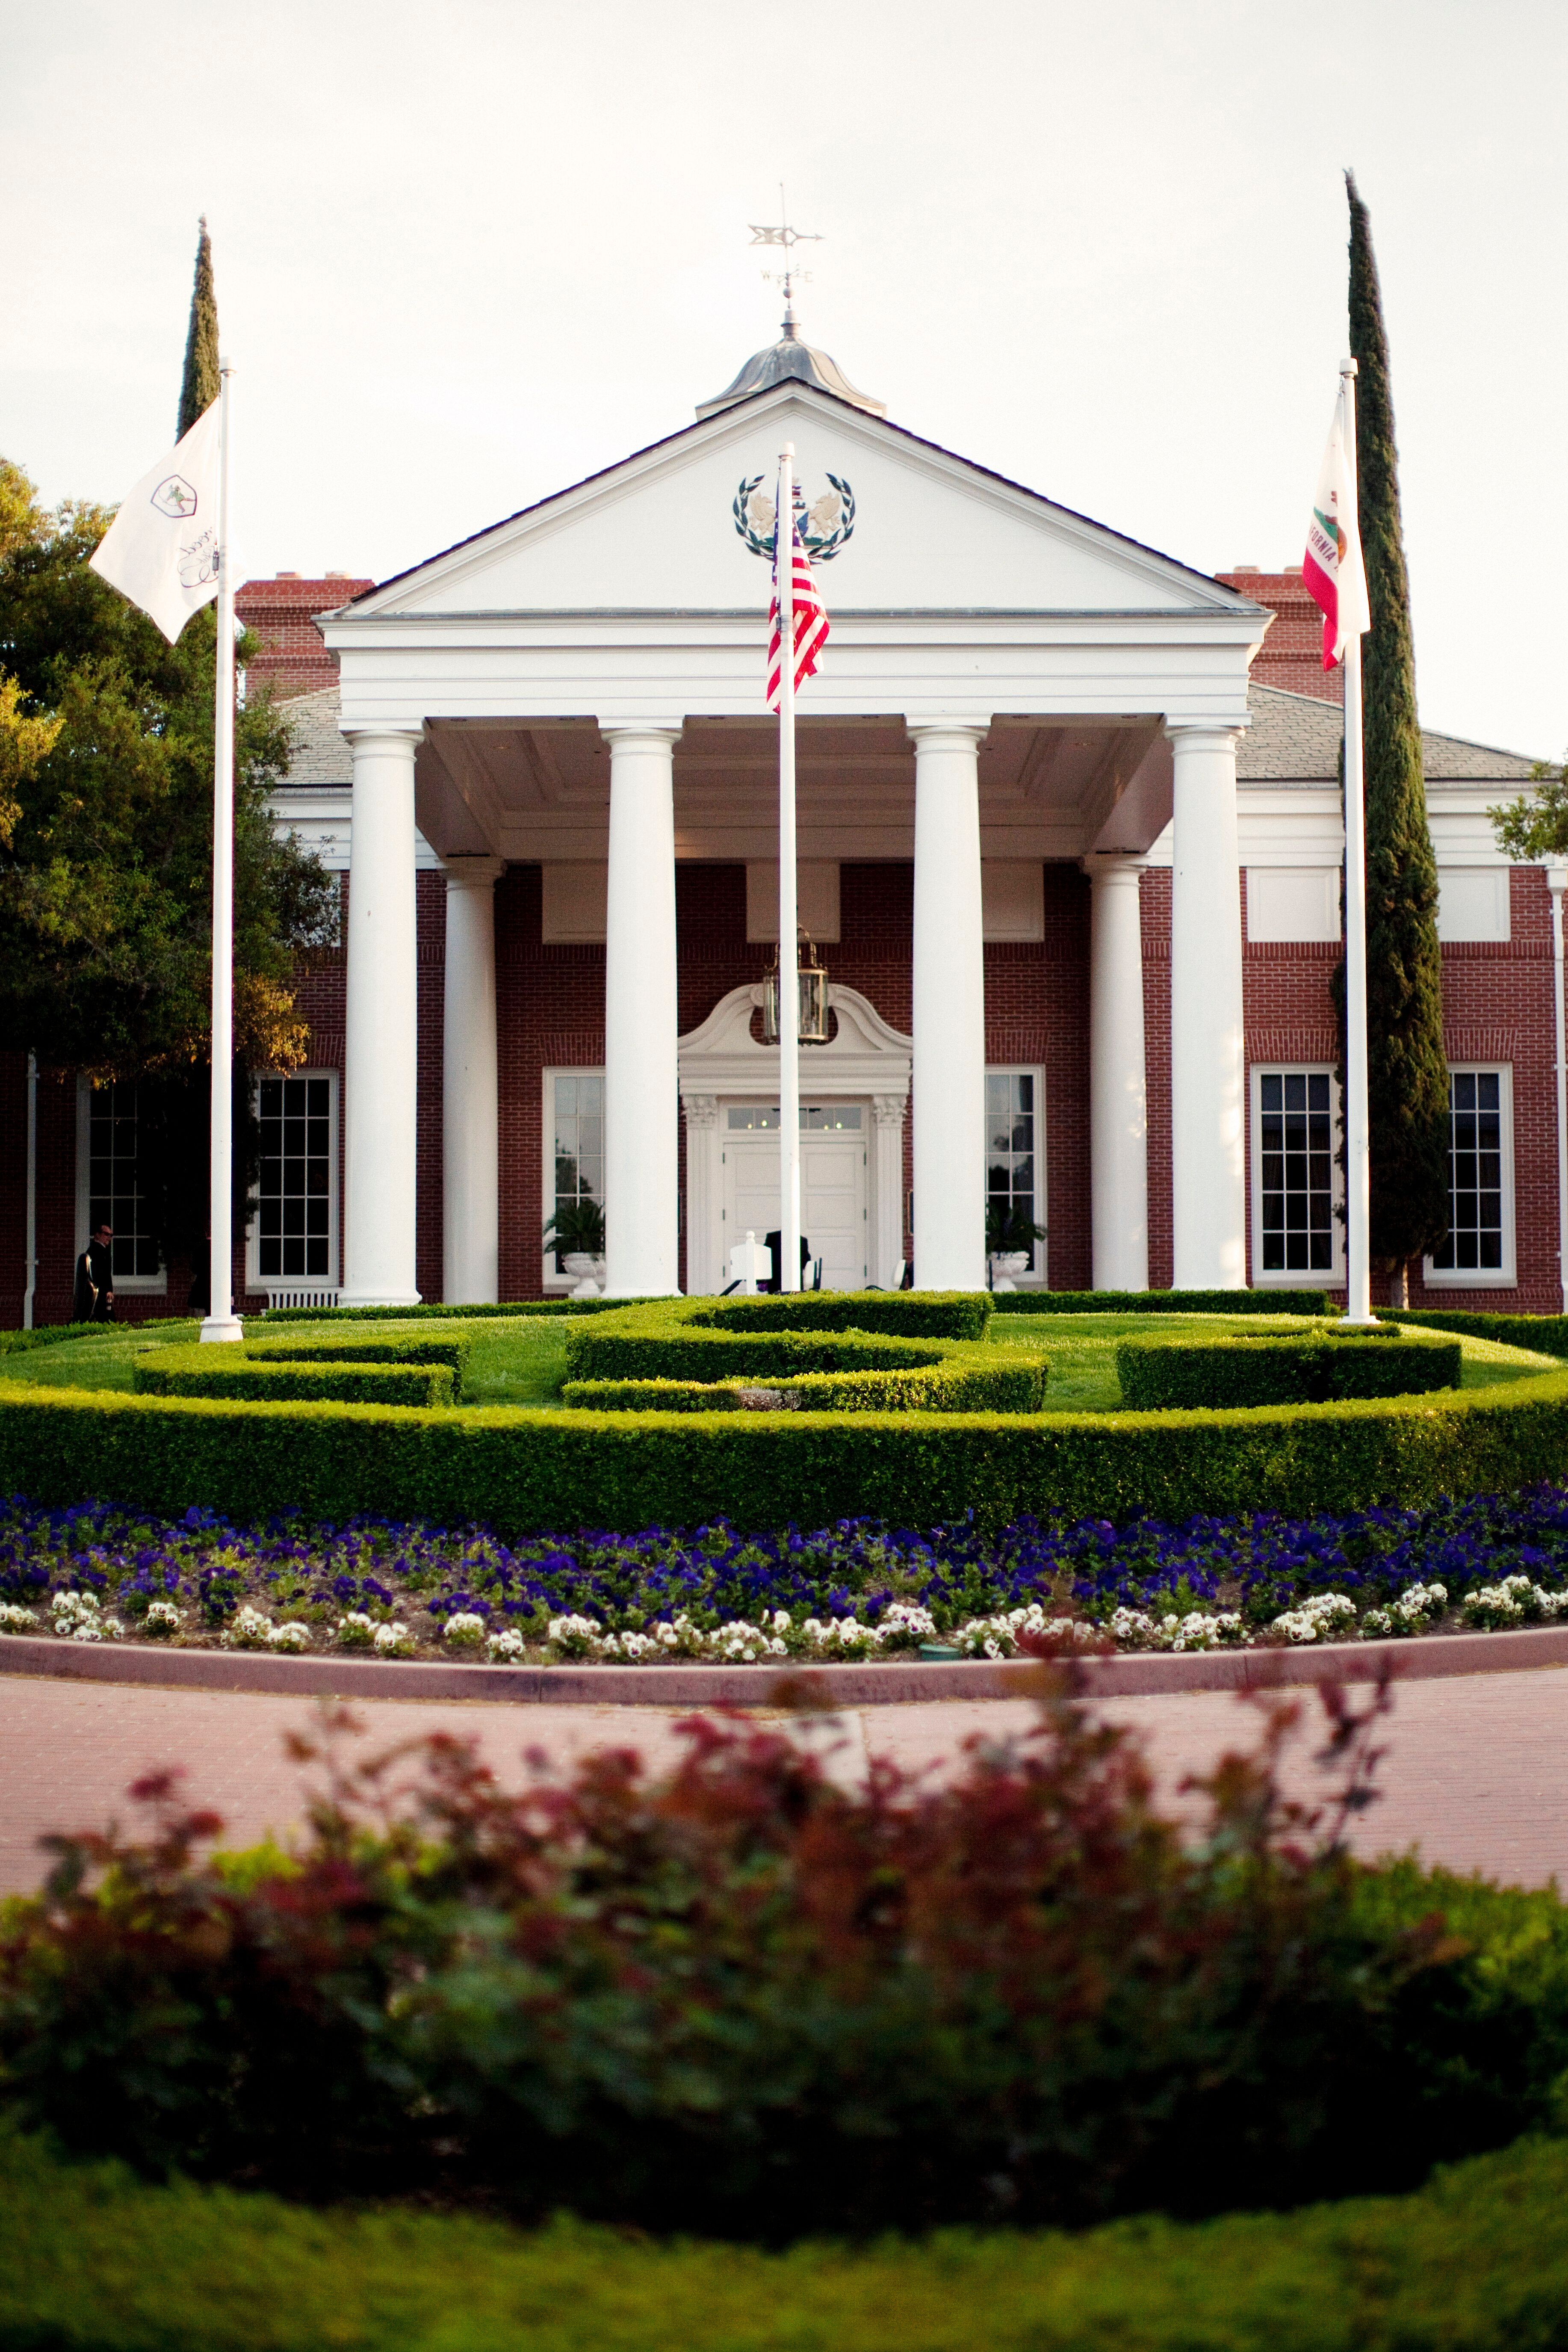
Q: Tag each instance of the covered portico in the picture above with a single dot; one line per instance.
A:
(582, 688)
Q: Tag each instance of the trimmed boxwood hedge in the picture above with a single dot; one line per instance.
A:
(769, 1339)
(1547, 1335)
(226, 1372)
(97, 2260)
(992, 1386)
(530, 1472)
(434, 1310)
(1160, 1302)
(1284, 1367)
(453, 1351)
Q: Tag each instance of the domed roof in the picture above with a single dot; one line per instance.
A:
(789, 360)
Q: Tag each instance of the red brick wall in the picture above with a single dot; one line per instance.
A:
(293, 659)
(1291, 654)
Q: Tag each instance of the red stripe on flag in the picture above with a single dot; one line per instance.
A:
(811, 628)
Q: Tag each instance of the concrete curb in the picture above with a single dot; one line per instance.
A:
(1422, 1658)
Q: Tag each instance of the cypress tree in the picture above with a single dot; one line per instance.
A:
(199, 388)
(1407, 1068)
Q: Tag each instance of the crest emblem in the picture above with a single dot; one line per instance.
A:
(175, 496)
(824, 526)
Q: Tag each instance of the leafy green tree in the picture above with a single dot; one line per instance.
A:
(105, 864)
(1536, 826)
(199, 387)
(1408, 1066)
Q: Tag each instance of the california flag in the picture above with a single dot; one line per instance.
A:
(1332, 567)
(161, 548)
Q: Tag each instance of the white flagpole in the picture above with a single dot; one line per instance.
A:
(1358, 1140)
(221, 1322)
(788, 1268)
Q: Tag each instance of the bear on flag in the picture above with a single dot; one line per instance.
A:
(162, 549)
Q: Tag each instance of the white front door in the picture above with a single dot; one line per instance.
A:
(834, 1141)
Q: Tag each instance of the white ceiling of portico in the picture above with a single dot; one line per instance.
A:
(933, 534)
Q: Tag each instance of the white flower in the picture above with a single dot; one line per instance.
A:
(162, 1618)
(356, 1630)
(508, 1644)
(15, 1619)
(70, 1611)
(574, 1637)
(1510, 1602)
(294, 1636)
(249, 1629)
(465, 1627)
(1322, 1617)
(393, 1640)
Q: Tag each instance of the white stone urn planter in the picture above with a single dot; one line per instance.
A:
(586, 1270)
(1005, 1265)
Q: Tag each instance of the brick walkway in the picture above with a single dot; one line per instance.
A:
(1477, 1773)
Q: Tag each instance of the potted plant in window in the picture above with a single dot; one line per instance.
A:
(576, 1234)
(1011, 1233)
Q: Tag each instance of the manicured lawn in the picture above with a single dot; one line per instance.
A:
(523, 1361)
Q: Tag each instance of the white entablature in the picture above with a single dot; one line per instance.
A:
(631, 597)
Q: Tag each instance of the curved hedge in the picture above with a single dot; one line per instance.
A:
(1163, 1302)
(528, 1472)
(961, 1387)
(772, 1340)
(226, 1372)
(1309, 1366)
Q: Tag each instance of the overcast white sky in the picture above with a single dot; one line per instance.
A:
(467, 253)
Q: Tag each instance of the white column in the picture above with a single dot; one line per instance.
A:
(949, 1011)
(1118, 1103)
(1208, 1183)
(707, 1269)
(886, 1257)
(642, 1130)
(381, 1043)
(470, 1202)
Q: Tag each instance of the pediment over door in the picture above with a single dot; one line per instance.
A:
(865, 1057)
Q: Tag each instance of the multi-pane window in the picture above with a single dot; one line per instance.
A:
(1294, 1171)
(297, 1181)
(113, 1195)
(1012, 1164)
(579, 1155)
(1480, 1238)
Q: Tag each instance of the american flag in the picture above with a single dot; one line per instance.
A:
(810, 621)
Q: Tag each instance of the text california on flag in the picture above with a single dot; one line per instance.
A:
(811, 631)
(161, 551)
(1331, 568)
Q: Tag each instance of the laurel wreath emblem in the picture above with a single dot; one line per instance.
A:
(822, 532)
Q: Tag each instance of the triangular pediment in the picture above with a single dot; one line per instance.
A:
(932, 532)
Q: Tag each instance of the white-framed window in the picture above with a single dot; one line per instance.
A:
(1297, 1238)
(292, 1242)
(107, 1190)
(1016, 1162)
(1478, 1254)
(573, 1154)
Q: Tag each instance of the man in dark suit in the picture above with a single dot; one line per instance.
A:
(94, 1296)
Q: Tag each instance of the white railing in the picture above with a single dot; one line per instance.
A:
(326, 1298)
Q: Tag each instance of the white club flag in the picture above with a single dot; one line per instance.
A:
(162, 549)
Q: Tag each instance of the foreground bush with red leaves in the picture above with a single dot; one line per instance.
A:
(746, 2000)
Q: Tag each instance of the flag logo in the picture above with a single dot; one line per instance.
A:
(175, 496)
(823, 527)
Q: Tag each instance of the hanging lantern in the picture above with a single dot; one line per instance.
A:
(813, 979)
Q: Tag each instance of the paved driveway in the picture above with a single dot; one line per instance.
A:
(1476, 1772)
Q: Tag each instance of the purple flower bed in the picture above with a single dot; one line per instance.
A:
(1491, 1559)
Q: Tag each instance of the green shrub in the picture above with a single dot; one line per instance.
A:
(530, 1472)
(1297, 1367)
(453, 1351)
(642, 1346)
(1159, 1302)
(651, 1396)
(990, 1387)
(98, 2261)
(905, 1314)
(229, 1373)
(737, 1994)
(1547, 1335)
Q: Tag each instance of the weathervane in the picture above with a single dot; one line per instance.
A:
(789, 238)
